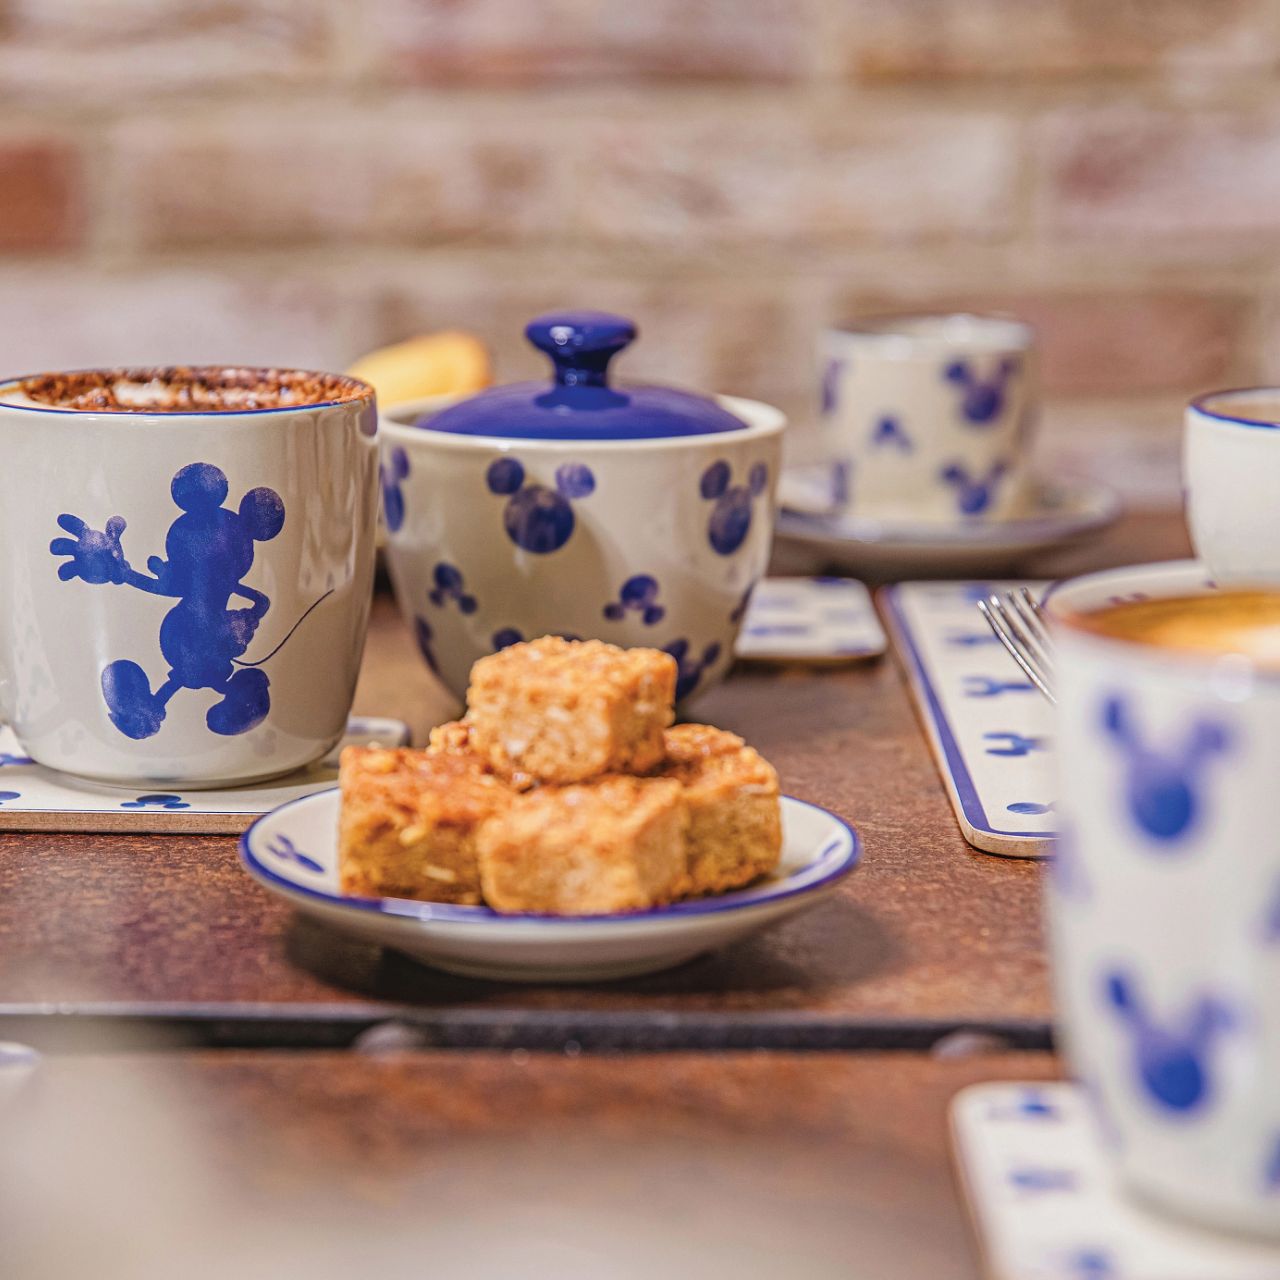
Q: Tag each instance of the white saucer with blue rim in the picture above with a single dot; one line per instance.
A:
(1060, 514)
(293, 852)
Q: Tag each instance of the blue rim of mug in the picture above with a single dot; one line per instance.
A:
(1199, 405)
(843, 850)
(142, 415)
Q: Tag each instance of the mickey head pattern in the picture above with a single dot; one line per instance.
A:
(537, 518)
(731, 516)
(159, 801)
(639, 594)
(1163, 789)
(450, 585)
(981, 399)
(689, 666)
(974, 493)
(1172, 1062)
(391, 473)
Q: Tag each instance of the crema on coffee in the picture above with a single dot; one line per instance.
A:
(181, 389)
(1245, 622)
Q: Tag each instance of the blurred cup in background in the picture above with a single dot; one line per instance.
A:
(928, 418)
(1231, 456)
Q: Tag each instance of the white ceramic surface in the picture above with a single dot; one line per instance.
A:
(621, 540)
(293, 852)
(157, 602)
(1231, 454)
(824, 620)
(811, 534)
(1165, 908)
(1045, 1204)
(930, 417)
(989, 729)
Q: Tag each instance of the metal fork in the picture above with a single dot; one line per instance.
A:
(1016, 619)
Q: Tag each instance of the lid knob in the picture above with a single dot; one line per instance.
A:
(580, 344)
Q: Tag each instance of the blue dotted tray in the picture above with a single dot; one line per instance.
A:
(988, 727)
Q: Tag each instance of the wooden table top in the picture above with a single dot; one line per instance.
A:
(488, 1165)
(926, 936)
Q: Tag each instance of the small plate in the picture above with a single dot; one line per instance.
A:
(1061, 515)
(293, 851)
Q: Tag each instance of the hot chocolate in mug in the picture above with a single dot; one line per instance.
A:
(186, 567)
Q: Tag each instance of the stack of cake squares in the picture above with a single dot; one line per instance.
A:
(565, 790)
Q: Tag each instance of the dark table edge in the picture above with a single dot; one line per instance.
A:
(97, 1027)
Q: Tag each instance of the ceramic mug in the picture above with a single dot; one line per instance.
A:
(1164, 906)
(186, 592)
(928, 418)
(1231, 451)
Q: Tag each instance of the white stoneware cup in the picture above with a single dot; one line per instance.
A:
(1231, 455)
(1164, 904)
(185, 594)
(928, 418)
(582, 508)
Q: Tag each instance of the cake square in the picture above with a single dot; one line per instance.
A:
(454, 738)
(615, 844)
(409, 823)
(569, 710)
(735, 819)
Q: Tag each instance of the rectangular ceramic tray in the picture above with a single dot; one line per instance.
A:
(987, 725)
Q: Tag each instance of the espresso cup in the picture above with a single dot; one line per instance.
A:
(1231, 450)
(1164, 899)
(928, 418)
(186, 566)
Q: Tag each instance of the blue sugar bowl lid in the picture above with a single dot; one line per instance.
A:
(579, 403)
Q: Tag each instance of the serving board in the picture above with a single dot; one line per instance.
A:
(33, 798)
(1045, 1204)
(988, 727)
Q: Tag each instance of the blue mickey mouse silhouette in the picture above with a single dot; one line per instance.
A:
(1163, 789)
(974, 494)
(391, 473)
(537, 518)
(1172, 1062)
(888, 431)
(159, 801)
(981, 399)
(689, 667)
(731, 516)
(639, 594)
(450, 586)
(210, 549)
(9, 795)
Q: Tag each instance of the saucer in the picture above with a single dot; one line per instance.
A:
(293, 852)
(1061, 514)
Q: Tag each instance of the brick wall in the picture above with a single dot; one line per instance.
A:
(299, 180)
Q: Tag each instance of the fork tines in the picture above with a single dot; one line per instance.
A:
(1016, 619)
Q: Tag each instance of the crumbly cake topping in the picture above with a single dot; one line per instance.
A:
(182, 389)
(591, 665)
